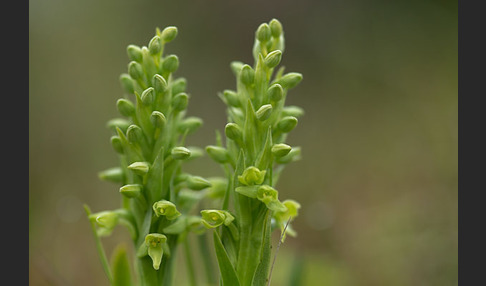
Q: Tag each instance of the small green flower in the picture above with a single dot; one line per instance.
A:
(167, 209)
(269, 196)
(154, 242)
(131, 190)
(215, 218)
(251, 176)
(217, 153)
(180, 153)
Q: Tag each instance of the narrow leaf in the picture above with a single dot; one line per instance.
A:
(121, 267)
(261, 274)
(228, 273)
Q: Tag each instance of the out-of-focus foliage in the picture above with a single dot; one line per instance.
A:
(378, 179)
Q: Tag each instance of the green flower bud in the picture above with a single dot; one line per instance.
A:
(168, 34)
(180, 101)
(290, 80)
(293, 155)
(134, 53)
(170, 63)
(280, 150)
(131, 191)
(263, 33)
(273, 59)
(106, 221)
(114, 174)
(264, 112)
(180, 153)
(167, 209)
(236, 67)
(118, 122)
(275, 28)
(179, 85)
(218, 187)
(217, 153)
(135, 70)
(134, 133)
(117, 144)
(159, 83)
(125, 107)
(158, 119)
(275, 92)
(247, 75)
(148, 96)
(197, 183)
(196, 152)
(190, 124)
(126, 83)
(215, 218)
(155, 45)
(231, 98)
(287, 123)
(154, 242)
(233, 131)
(252, 176)
(139, 168)
(292, 110)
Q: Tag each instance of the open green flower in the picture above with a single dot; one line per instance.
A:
(167, 209)
(215, 218)
(154, 242)
(269, 196)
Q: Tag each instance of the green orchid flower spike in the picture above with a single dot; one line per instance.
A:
(253, 157)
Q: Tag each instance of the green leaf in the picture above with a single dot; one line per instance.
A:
(249, 191)
(155, 177)
(261, 274)
(228, 273)
(121, 267)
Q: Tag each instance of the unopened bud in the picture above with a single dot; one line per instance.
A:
(236, 67)
(125, 107)
(159, 83)
(126, 83)
(197, 183)
(134, 53)
(179, 85)
(263, 33)
(118, 122)
(134, 133)
(148, 96)
(275, 92)
(131, 191)
(233, 131)
(180, 153)
(117, 145)
(158, 119)
(114, 174)
(247, 75)
(231, 98)
(190, 124)
(275, 28)
(169, 34)
(155, 45)
(140, 168)
(264, 112)
(280, 150)
(217, 153)
(287, 123)
(170, 63)
(292, 110)
(273, 58)
(290, 80)
(180, 101)
(135, 70)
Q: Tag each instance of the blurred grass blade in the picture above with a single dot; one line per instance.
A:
(121, 267)
(297, 271)
(228, 273)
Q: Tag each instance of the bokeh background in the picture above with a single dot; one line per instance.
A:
(378, 178)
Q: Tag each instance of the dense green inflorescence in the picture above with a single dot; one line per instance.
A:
(149, 137)
(253, 157)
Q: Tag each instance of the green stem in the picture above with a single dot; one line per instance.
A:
(206, 257)
(189, 263)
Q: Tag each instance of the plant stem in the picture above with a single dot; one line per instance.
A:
(207, 261)
(189, 262)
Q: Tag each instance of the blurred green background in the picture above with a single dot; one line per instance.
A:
(378, 178)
